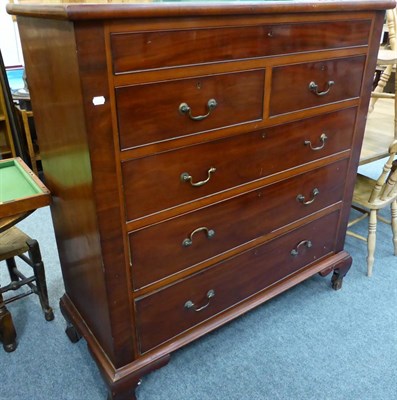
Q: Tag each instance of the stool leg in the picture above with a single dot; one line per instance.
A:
(11, 265)
(394, 224)
(38, 268)
(371, 242)
(7, 330)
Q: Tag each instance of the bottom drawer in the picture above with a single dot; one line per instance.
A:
(176, 308)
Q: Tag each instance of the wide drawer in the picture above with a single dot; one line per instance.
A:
(299, 86)
(171, 311)
(169, 48)
(155, 112)
(187, 240)
(154, 183)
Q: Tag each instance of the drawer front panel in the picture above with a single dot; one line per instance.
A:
(153, 183)
(156, 112)
(205, 233)
(163, 315)
(162, 49)
(292, 89)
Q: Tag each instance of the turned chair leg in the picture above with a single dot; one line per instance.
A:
(11, 265)
(7, 330)
(371, 241)
(38, 268)
(394, 224)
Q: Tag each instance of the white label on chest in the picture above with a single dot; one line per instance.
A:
(98, 100)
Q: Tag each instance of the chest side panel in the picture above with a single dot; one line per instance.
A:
(52, 68)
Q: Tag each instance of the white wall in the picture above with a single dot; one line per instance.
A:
(9, 38)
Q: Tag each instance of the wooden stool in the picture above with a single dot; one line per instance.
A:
(14, 242)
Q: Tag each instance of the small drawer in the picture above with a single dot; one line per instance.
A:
(175, 309)
(171, 48)
(156, 183)
(299, 86)
(198, 236)
(149, 113)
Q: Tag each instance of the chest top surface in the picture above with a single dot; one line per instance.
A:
(181, 8)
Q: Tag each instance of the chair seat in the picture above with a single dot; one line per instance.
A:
(387, 57)
(12, 243)
(362, 192)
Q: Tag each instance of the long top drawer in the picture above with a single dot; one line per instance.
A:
(170, 48)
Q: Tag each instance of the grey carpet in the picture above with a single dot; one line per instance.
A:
(310, 343)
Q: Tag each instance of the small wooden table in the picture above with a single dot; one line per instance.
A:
(378, 134)
(21, 192)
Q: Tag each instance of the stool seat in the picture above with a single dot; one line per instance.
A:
(12, 243)
(16, 243)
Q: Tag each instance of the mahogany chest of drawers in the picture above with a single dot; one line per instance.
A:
(201, 159)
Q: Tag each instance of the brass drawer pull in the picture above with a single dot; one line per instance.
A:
(301, 197)
(186, 177)
(306, 243)
(189, 241)
(323, 139)
(313, 87)
(185, 109)
(189, 305)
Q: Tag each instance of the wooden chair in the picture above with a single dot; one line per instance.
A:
(13, 243)
(387, 60)
(370, 196)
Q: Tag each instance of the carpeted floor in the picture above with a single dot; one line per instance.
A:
(310, 343)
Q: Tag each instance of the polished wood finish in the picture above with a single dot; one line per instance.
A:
(114, 150)
(168, 48)
(162, 315)
(255, 211)
(239, 99)
(257, 151)
(290, 83)
(153, 9)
